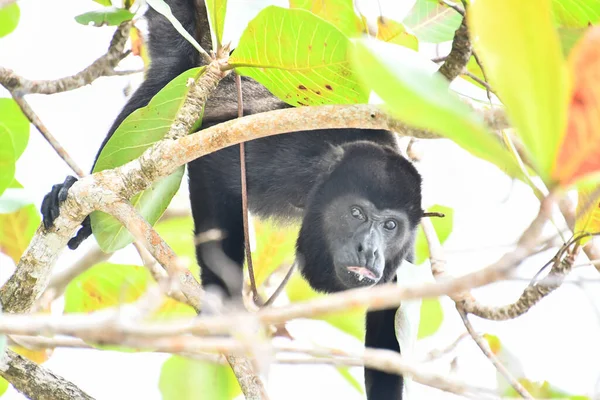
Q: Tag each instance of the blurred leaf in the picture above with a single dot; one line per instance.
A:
(37, 356)
(345, 372)
(183, 379)
(107, 285)
(493, 342)
(178, 233)
(399, 76)
(15, 123)
(340, 13)
(140, 130)
(576, 13)
(300, 58)
(110, 16)
(104, 2)
(579, 154)
(9, 18)
(216, 17)
(17, 230)
(569, 37)
(432, 316)
(394, 32)
(3, 386)
(351, 322)
(432, 21)
(275, 245)
(530, 75)
(443, 228)
(588, 212)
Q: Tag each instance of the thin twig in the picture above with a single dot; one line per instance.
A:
(256, 297)
(35, 120)
(485, 348)
(483, 83)
(281, 286)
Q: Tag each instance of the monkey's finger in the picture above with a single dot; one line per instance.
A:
(64, 190)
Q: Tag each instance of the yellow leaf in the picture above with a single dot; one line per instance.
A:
(16, 230)
(394, 32)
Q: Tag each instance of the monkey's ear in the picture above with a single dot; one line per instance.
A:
(433, 214)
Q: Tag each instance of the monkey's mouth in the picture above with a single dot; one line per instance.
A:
(363, 273)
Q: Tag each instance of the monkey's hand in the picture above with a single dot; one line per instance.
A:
(50, 211)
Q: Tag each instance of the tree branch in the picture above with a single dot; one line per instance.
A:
(37, 382)
(103, 66)
(459, 55)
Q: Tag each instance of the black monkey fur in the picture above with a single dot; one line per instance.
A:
(345, 185)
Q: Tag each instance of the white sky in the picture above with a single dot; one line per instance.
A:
(556, 341)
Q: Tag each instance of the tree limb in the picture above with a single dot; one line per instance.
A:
(102, 66)
(37, 382)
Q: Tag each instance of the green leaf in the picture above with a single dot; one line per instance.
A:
(15, 123)
(345, 372)
(104, 2)
(3, 386)
(16, 231)
(9, 18)
(299, 57)
(339, 13)
(399, 76)
(443, 228)
(216, 17)
(140, 130)
(183, 379)
(110, 16)
(530, 76)
(7, 160)
(351, 322)
(432, 316)
(576, 13)
(432, 22)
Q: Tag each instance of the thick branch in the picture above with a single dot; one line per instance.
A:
(102, 66)
(37, 382)
(459, 56)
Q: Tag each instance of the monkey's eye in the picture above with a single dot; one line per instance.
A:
(390, 225)
(357, 213)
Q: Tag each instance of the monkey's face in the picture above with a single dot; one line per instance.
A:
(361, 238)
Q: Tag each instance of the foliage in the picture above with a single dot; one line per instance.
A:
(9, 18)
(182, 379)
(139, 131)
(108, 16)
(541, 58)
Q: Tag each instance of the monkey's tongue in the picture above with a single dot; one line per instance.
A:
(363, 272)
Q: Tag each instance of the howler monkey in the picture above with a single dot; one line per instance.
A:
(358, 199)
